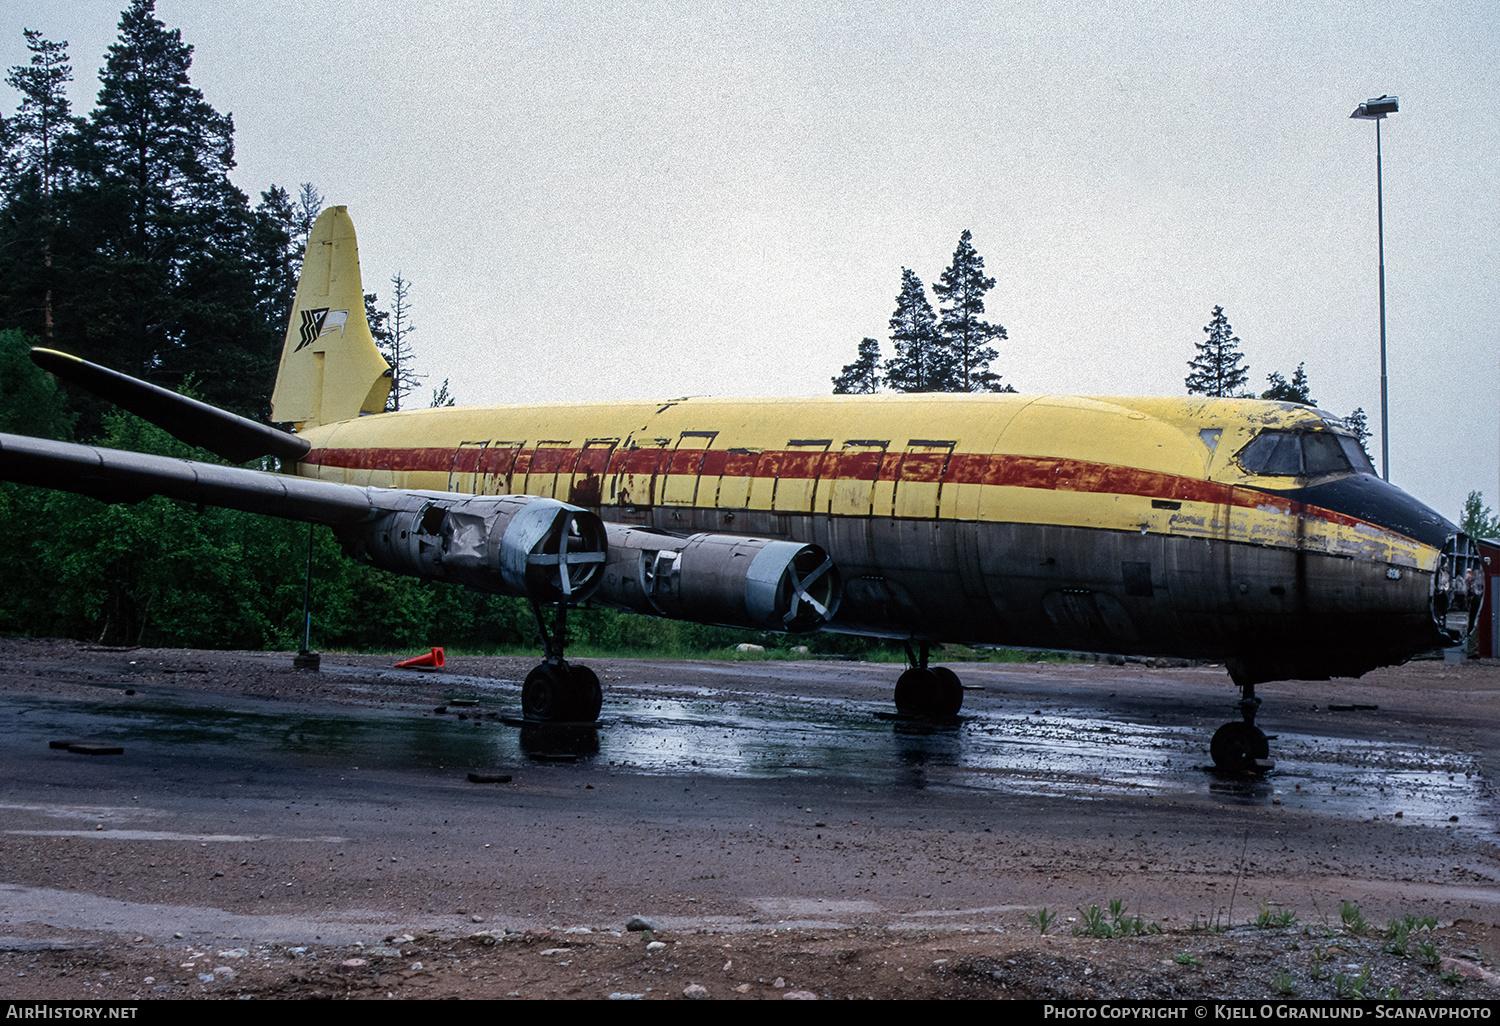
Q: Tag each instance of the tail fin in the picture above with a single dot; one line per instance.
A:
(331, 369)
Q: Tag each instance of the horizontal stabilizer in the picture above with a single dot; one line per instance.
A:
(237, 439)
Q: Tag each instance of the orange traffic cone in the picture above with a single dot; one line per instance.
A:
(431, 661)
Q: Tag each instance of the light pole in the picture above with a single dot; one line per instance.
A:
(1375, 110)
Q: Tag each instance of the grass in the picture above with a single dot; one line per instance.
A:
(1114, 923)
(1351, 988)
(1398, 933)
(1267, 919)
(1042, 920)
(1352, 918)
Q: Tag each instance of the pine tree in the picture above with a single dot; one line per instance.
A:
(166, 254)
(965, 335)
(34, 169)
(396, 344)
(442, 397)
(152, 135)
(1295, 391)
(378, 321)
(1359, 426)
(42, 121)
(920, 364)
(1217, 370)
(861, 377)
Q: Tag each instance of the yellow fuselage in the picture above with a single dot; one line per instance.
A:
(1116, 524)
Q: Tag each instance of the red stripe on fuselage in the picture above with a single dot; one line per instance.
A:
(1046, 472)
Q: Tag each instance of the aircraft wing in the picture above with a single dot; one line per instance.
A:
(114, 475)
(524, 545)
(511, 544)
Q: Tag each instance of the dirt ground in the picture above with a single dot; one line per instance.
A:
(235, 849)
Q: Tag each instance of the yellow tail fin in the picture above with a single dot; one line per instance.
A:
(330, 369)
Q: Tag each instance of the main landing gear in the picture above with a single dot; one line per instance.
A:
(1242, 746)
(931, 692)
(555, 691)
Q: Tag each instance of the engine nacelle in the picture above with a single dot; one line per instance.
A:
(509, 544)
(721, 579)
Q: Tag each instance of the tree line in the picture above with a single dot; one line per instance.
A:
(123, 241)
(948, 351)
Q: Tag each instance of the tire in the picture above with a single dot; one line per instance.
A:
(1236, 747)
(948, 693)
(587, 695)
(914, 692)
(544, 695)
(932, 693)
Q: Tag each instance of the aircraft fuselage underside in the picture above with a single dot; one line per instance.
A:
(1093, 590)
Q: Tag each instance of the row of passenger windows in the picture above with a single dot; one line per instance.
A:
(1304, 454)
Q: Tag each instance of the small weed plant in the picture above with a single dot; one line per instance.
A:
(1116, 922)
(1351, 988)
(1352, 918)
(1042, 920)
(1284, 985)
(1398, 933)
(1187, 958)
(1315, 967)
(1270, 919)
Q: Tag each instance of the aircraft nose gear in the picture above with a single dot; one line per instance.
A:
(1242, 747)
(931, 692)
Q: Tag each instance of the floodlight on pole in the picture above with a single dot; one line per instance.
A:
(1375, 110)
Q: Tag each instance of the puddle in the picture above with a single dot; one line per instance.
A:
(1064, 753)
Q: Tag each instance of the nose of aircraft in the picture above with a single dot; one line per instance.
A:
(1458, 587)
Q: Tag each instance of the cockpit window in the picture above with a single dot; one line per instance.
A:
(1304, 453)
(1356, 453)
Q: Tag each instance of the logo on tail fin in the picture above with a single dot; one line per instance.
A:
(317, 323)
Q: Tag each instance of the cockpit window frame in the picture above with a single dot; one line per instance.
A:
(1272, 451)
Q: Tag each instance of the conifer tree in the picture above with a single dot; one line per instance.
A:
(861, 377)
(965, 335)
(164, 246)
(1217, 370)
(441, 396)
(1359, 426)
(1295, 391)
(41, 123)
(396, 345)
(35, 167)
(920, 364)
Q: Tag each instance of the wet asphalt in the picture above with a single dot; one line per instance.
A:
(718, 795)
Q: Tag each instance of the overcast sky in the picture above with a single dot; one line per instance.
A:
(665, 199)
